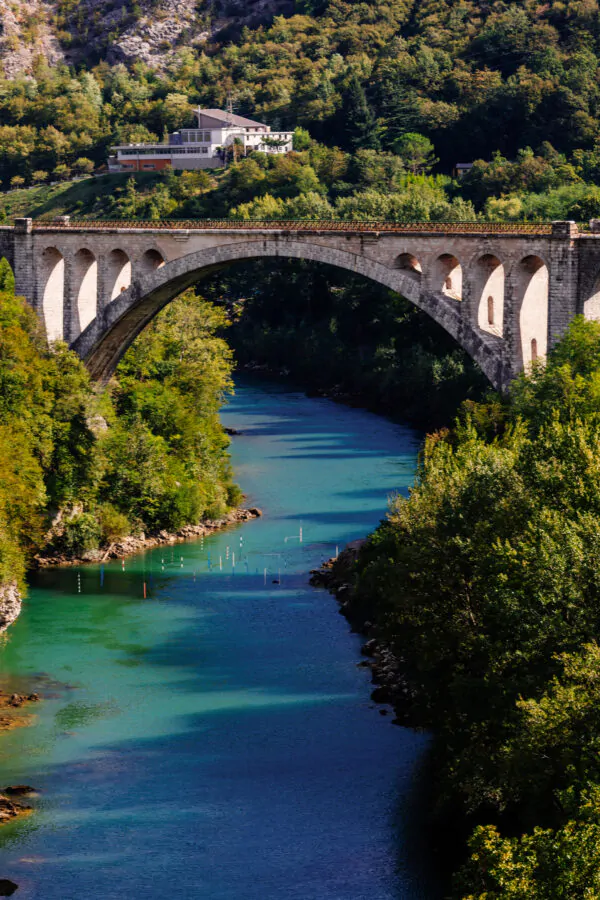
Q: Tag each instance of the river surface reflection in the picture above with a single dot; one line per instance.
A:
(216, 740)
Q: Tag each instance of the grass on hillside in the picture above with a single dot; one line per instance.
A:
(86, 198)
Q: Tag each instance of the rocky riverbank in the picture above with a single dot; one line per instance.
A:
(9, 810)
(390, 687)
(11, 705)
(10, 604)
(132, 544)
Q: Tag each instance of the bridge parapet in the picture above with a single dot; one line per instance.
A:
(304, 225)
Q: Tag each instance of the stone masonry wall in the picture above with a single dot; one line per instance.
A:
(531, 284)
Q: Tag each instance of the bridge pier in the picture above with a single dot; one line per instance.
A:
(563, 299)
(70, 330)
(103, 288)
(23, 261)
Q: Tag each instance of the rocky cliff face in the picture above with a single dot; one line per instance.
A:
(27, 31)
(120, 30)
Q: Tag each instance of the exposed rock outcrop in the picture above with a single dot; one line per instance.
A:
(26, 32)
(10, 810)
(19, 790)
(150, 31)
(10, 604)
(9, 704)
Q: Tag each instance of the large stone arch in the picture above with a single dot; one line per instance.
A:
(104, 341)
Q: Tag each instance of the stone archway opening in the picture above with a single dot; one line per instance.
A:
(150, 262)
(408, 263)
(532, 302)
(119, 273)
(447, 276)
(85, 290)
(51, 289)
(591, 306)
(488, 294)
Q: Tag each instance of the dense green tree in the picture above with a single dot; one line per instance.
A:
(416, 152)
(360, 126)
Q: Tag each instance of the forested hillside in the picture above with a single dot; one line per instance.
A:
(472, 78)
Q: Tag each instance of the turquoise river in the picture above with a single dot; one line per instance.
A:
(216, 738)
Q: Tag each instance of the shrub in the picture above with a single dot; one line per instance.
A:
(113, 523)
(80, 534)
(235, 495)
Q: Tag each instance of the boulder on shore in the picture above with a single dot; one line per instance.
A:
(10, 810)
(19, 790)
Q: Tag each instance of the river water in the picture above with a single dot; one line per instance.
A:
(216, 739)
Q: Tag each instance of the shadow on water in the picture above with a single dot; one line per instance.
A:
(336, 518)
(369, 494)
(416, 850)
(342, 454)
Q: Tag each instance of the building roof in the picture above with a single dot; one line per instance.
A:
(227, 118)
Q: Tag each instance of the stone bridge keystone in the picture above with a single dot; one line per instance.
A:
(506, 293)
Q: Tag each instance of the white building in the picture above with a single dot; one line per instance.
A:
(204, 147)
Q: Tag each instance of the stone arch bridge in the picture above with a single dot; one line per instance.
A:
(506, 293)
